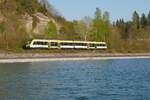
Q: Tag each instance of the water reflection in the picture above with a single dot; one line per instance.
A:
(13, 77)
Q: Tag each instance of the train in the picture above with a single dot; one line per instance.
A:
(64, 44)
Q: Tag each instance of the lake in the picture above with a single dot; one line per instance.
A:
(76, 80)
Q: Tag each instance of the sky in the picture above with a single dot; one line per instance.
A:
(77, 9)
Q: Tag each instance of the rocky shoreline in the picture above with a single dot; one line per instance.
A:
(68, 55)
(29, 57)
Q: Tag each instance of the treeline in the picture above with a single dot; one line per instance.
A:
(121, 36)
(87, 29)
(132, 35)
(135, 26)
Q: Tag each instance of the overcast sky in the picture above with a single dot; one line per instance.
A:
(77, 9)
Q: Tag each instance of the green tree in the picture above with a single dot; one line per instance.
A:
(106, 16)
(98, 14)
(42, 9)
(143, 21)
(101, 26)
(148, 19)
(97, 24)
(124, 28)
(67, 31)
(83, 28)
(51, 30)
(135, 21)
(27, 6)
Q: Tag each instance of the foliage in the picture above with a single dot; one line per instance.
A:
(136, 21)
(27, 6)
(143, 21)
(83, 28)
(148, 19)
(135, 33)
(121, 36)
(101, 26)
(67, 31)
(35, 20)
(51, 30)
(42, 9)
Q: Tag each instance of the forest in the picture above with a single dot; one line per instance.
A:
(120, 36)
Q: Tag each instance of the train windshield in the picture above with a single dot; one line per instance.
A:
(29, 42)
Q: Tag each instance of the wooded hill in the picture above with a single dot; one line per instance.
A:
(22, 20)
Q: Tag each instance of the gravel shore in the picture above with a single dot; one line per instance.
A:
(28, 57)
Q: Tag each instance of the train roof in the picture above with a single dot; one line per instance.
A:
(49, 40)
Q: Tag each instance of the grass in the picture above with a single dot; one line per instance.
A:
(63, 51)
(67, 51)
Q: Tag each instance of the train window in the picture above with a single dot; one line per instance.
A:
(67, 44)
(80, 44)
(92, 45)
(54, 44)
(36, 43)
(101, 44)
(40, 43)
(44, 43)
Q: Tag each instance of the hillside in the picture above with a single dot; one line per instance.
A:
(21, 20)
(33, 11)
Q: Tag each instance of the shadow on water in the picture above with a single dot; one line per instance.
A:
(82, 98)
(26, 81)
(10, 79)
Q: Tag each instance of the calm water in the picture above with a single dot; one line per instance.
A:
(76, 80)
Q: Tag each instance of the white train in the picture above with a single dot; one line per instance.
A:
(63, 44)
